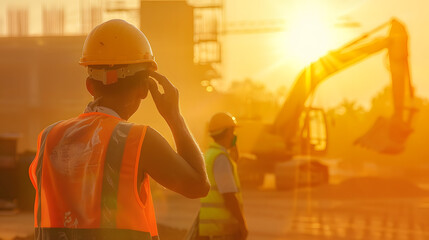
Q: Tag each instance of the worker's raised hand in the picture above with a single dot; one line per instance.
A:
(167, 102)
(233, 153)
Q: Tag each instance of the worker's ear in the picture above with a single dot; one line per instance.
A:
(144, 86)
(90, 86)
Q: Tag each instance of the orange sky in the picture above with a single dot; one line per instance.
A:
(273, 58)
(270, 62)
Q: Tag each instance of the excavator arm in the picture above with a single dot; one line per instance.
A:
(387, 135)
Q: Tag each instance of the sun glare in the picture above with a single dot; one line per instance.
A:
(308, 36)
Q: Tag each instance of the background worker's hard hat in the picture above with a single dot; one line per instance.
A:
(116, 42)
(221, 121)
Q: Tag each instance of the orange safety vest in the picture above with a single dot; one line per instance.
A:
(87, 181)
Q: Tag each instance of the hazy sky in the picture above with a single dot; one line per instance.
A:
(277, 58)
(274, 57)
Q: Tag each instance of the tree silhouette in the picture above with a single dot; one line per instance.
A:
(254, 99)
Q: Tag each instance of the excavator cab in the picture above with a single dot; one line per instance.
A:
(313, 132)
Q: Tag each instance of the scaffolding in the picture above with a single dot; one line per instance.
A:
(208, 27)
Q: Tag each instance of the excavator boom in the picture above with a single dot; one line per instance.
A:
(286, 123)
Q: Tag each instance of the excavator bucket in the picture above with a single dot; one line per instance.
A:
(386, 136)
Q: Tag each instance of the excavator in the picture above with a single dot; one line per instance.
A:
(291, 145)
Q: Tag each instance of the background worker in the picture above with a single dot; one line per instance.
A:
(221, 214)
(91, 172)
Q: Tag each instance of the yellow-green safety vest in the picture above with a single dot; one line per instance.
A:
(214, 218)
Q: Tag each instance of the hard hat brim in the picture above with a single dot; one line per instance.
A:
(119, 62)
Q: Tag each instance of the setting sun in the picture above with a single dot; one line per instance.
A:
(308, 36)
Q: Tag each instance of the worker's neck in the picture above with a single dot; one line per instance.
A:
(123, 114)
(117, 106)
(224, 143)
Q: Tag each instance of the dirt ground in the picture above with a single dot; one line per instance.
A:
(356, 209)
(361, 208)
(165, 233)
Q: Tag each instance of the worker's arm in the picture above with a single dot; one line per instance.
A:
(231, 203)
(227, 186)
(183, 172)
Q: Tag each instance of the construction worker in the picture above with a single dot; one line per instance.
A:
(221, 214)
(91, 172)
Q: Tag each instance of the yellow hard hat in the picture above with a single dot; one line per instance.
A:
(221, 121)
(116, 42)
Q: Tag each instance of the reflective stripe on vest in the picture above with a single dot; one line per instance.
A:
(85, 174)
(214, 218)
(40, 153)
(112, 163)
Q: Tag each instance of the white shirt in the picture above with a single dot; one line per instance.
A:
(223, 174)
(94, 107)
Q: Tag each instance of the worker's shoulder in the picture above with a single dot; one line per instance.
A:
(153, 137)
(52, 125)
(154, 144)
(71, 121)
(221, 160)
(222, 157)
(216, 150)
